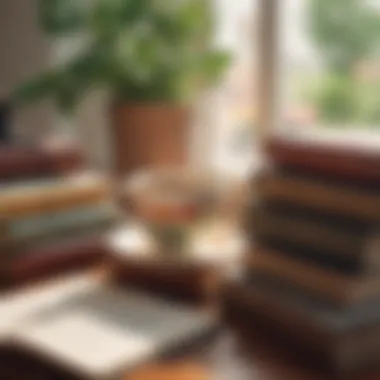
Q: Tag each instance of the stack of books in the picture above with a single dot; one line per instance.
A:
(314, 269)
(52, 214)
(20, 163)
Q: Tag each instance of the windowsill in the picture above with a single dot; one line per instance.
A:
(345, 138)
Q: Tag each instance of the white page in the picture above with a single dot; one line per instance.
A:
(100, 331)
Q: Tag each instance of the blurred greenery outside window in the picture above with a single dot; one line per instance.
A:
(332, 53)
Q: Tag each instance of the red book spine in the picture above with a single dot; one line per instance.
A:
(18, 163)
(337, 161)
(58, 258)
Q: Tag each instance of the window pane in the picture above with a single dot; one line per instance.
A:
(331, 56)
(235, 98)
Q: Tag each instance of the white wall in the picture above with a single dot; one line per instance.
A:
(24, 52)
(91, 123)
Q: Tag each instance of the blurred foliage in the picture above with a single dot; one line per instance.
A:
(345, 31)
(141, 50)
(369, 103)
(347, 34)
(336, 99)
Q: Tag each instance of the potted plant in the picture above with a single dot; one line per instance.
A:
(153, 56)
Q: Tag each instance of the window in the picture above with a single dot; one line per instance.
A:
(330, 57)
(234, 113)
(304, 67)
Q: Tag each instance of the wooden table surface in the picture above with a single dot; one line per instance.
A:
(231, 356)
(227, 356)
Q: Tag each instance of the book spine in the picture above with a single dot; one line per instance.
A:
(244, 304)
(339, 289)
(321, 196)
(16, 163)
(358, 350)
(371, 257)
(63, 161)
(42, 225)
(336, 161)
(38, 263)
(308, 233)
(341, 352)
(50, 200)
(328, 245)
(20, 163)
(99, 227)
(190, 282)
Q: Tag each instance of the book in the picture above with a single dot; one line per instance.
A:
(326, 241)
(23, 162)
(95, 330)
(33, 229)
(183, 281)
(322, 196)
(339, 289)
(19, 249)
(49, 260)
(344, 340)
(330, 159)
(39, 197)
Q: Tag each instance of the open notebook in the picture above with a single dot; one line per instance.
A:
(96, 330)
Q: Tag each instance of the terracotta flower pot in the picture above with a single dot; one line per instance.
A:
(150, 135)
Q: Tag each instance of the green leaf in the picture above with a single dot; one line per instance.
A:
(345, 31)
(109, 18)
(195, 20)
(214, 64)
(63, 16)
(35, 89)
(142, 50)
(336, 98)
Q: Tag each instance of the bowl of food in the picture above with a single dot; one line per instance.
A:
(170, 202)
